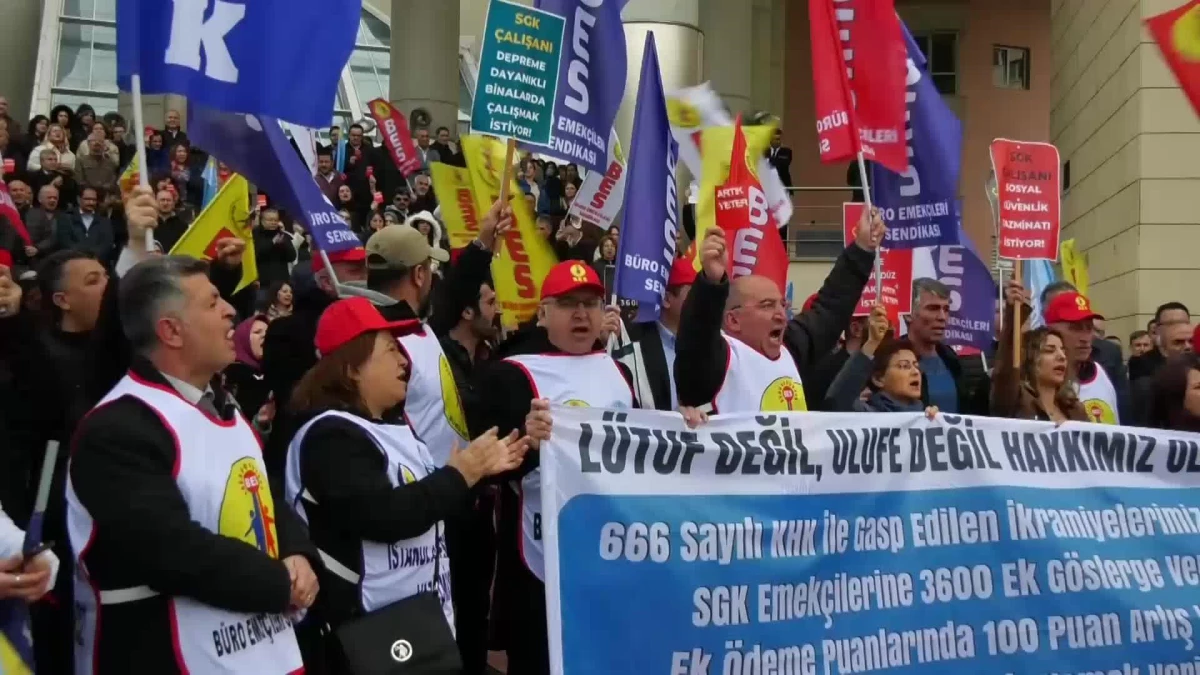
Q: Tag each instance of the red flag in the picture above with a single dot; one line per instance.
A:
(396, 136)
(876, 66)
(9, 210)
(1177, 34)
(743, 213)
(837, 139)
(896, 266)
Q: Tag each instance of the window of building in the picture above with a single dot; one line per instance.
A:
(86, 69)
(940, 49)
(1010, 67)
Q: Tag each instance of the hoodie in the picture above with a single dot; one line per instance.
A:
(435, 227)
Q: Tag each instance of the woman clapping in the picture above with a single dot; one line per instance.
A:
(373, 498)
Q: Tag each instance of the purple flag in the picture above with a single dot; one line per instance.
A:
(972, 292)
(591, 80)
(256, 148)
(647, 246)
(919, 205)
(282, 58)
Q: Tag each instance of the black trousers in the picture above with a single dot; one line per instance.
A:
(471, 545)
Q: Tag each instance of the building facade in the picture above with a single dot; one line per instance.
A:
(1079, 73)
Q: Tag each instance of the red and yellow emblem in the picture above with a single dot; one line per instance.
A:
(784, 394)
(247, 509)
(578, 273)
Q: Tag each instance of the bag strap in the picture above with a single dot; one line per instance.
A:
(437, 557)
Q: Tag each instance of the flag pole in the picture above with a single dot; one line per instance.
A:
(506, 170)
(862, 176)
(139, 123)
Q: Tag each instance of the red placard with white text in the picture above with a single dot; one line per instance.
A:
(897, 267)
(1029, 196)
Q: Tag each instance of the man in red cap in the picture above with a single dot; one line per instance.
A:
(1071, 314)
(648, 349)
(561, 361)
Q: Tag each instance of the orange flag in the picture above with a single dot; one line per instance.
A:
(1177, 34)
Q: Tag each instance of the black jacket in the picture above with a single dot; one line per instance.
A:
(288, 352)
(97, 240)
(121, 470)
(973, 395)
(346, 473)
(273, 257)
(702, 357)
(643, 354)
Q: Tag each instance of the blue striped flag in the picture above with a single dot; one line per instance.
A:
(212, 182)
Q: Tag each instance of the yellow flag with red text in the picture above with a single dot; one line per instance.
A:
(526, 257)
(227, 215)
(716, 148)
(1074, 266)
(129, 177)
(460, 213)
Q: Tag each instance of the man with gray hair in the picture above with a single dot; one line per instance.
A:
(943, 383)
(171, 517)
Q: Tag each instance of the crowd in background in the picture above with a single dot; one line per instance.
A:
(62, 348)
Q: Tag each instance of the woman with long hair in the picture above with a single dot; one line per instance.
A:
(1041, 388)
(188, 181)
(56, 139)
(371, 493)
(1175, 396)
(37, 128)
(279, 300)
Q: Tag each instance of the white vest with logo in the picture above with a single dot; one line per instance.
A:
(220, 473)
(1099, 398)
(754, 382)
(393, 571)
(433, 405)
(586, 381)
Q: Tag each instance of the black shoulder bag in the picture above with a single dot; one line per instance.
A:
(407, 637)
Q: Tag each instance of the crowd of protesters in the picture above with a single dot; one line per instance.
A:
(398, 421)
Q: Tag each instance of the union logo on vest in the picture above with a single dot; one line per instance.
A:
(1099, 411)
(784, 394)
(406, 475)
(247, 509)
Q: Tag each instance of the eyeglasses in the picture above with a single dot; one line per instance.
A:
(568, 302)
(766, 305)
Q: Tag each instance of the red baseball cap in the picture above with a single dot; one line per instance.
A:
(1069, 307)
(683, 272)
(357, 254)
(571, 275)
(346, 319)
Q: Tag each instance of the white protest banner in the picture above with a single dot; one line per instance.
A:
(601, 195)
(826, 543)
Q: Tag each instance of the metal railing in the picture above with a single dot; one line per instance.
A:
(815, 230)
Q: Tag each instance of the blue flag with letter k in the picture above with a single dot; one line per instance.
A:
(281, 58)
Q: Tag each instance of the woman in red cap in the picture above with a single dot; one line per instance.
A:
(374, 501)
